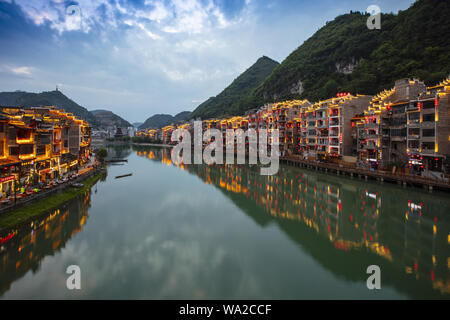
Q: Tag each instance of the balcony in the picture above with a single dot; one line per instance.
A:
(334, 133)
(334, 142)
(428, 151)
(334, 113)
(334, 150)
(335, 123)
(414, 122)
(26, 140)
(371, 146)
(398, 139)
(27, 156)
(398, 121)
(371, 125)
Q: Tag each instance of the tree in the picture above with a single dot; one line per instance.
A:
(331, 88)
(101, 154)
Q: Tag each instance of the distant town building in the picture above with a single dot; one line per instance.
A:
(119, 133)
(407, 125)
(131, 131)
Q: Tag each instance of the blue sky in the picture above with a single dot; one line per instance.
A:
(141, 57)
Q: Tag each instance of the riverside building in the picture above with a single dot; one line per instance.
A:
(405, 125)
(324, 128)
(40, 144)
(428, 130)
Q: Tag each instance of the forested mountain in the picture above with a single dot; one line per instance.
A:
(345, 56)
(158, 121)
(47, 98)
(106, 118)
(227, 101)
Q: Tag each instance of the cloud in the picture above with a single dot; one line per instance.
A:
(159, 12)
(145, 30)
(20, 71)
(158, 56)
(178, 16)
(164, 53)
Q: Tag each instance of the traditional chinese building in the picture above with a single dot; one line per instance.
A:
(39, 144)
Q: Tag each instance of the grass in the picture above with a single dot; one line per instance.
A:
(33, 210)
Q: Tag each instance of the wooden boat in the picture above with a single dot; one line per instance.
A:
(123, 176)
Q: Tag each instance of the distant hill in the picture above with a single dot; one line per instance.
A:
(182, 116)
(345, 56)
(227, 102)
(48, 98)
(106, 118)
(137, 124)
(158, 121)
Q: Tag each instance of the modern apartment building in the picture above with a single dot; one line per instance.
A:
(381, 130)
(408, 124)
(324, 128)
(428, 129)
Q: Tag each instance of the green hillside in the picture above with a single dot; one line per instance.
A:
(228, 100)
(158, 121)
(106, 118)
(345, 55)
(48, 98)
(182, 116)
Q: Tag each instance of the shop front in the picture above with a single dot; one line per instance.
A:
(26, 172)
(9, 175)
(44, 170)
(421, 162)
(7, 185)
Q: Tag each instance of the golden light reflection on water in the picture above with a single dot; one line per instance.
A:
(23, 248)
(353, 217)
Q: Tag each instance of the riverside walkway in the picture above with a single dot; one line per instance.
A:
(83, 174)
(382, 176)
(403, 179)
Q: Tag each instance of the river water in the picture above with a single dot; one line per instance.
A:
(226, 232)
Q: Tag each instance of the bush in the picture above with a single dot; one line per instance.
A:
(144, 140)
(101, 154)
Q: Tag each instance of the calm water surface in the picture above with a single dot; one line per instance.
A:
(225, 232)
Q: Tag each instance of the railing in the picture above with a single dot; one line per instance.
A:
(386, 175)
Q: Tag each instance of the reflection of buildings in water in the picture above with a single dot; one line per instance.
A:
(119, 151)
(426, 250)
(23, 250)
(349, 216)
